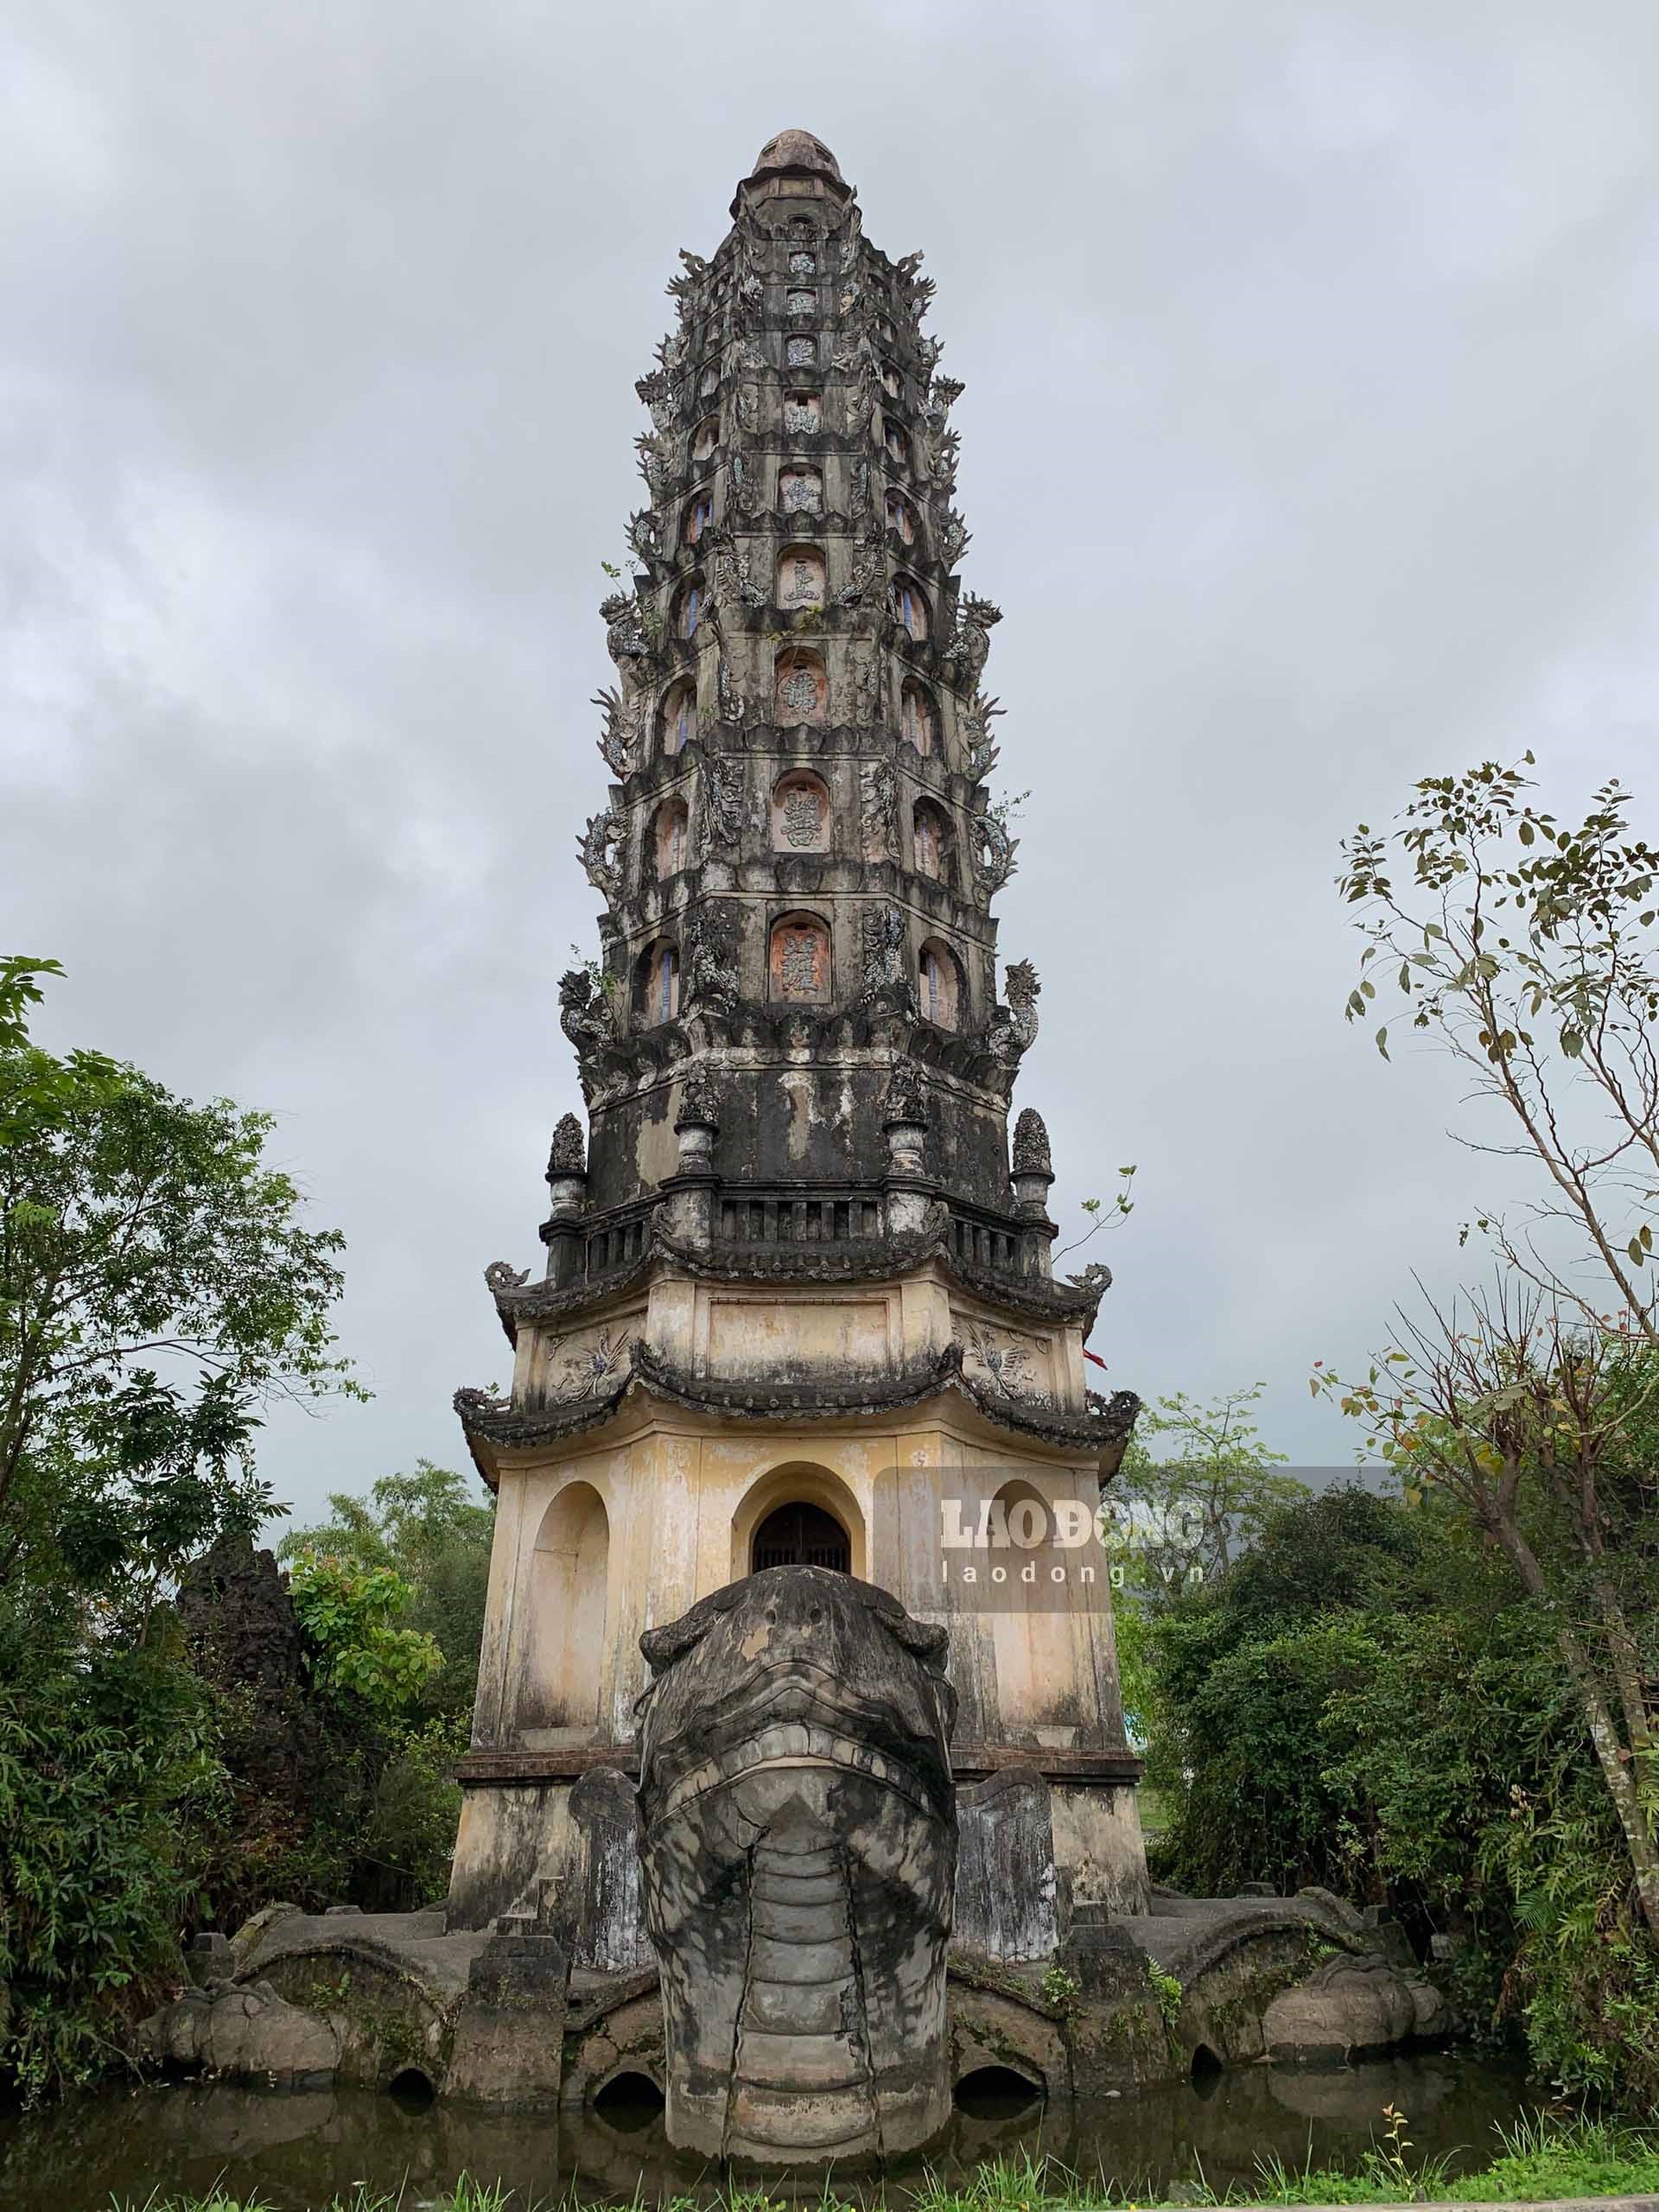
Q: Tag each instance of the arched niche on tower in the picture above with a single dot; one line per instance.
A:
(799, 965)
(800, 488)
(689, 605)
(560, 1674)
(699, 513)
(803, 413)
(800, 301)
(933, 842)
(800, 813)
(939, 985)
(1032, 1645)
(657, 983)
(671, 838)
(892, 382)
(801, 578)
(895, 444)
(676, 719)
(800, 687)
(918, 716)
(800, 351)
(901, 519)
(705, 438)
(909, 605)
(799, 1482)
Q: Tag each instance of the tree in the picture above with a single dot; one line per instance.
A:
(1527, 1422)
(157, 1284)
(423, 1526)
(1245, 1665)
(1181, 1515)
(1368, 1699)
(1525, 949)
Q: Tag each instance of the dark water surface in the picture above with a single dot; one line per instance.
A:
(297, 2151)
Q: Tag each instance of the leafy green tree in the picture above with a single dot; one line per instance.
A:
(1526, 950)
(1244, 1665)
(350, 1614)
(157, 1284)
(141, 1236)
(108, 1770)
(1368, 1699)
(1196, 1484)
(425, 1526)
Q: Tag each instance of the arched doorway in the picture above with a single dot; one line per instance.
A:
(799, 1535)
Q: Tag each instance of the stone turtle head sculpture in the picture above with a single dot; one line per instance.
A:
(838, 1661)
(797, 1847)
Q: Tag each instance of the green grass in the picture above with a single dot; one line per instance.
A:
(1540, 2159)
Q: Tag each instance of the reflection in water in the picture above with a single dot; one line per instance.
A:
(297, 2151)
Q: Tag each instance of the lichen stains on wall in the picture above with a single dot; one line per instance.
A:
(655, 1150)
(808, 1122)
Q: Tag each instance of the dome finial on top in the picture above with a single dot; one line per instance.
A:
(786, 159)
(797, 150)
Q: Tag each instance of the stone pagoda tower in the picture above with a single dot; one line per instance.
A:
(797, 1299)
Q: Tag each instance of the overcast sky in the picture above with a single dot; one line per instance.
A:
(1312, 357)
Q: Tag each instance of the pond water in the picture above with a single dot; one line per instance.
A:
(298, 2151)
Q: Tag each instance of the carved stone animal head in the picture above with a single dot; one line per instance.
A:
(797, 1646)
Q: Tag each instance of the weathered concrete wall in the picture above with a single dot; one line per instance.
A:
(1007, 1903)
(513, 1838)
(1097, 1840)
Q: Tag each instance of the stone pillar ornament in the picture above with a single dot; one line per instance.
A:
(689, 1193)
(1033, 1169)
(1032, 1173)
(567, 1193)
(904, 1123)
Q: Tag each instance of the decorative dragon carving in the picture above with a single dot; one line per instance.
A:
(797, 1854)
(619, 741)
(884, 974)
(879, 811)
(976, 732)
(720, 794)
(625, 637)
(599, 846)
(585, 1010)
(994, 852)
(905, 1098)
(1013, 1029)
(711, 976)
(699, 1108)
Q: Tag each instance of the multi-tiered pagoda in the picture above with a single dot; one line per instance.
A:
(797, 1304)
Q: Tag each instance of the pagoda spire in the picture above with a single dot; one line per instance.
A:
(798, 852)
